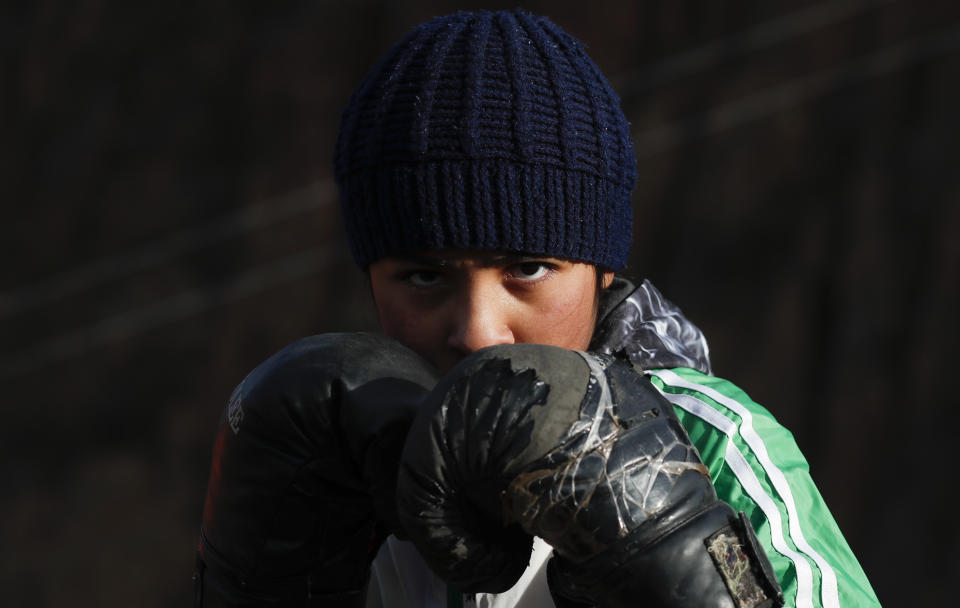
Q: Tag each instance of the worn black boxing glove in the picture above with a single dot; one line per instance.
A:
(301, 489)
(582, 451)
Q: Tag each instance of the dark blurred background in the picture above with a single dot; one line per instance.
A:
(169, 221)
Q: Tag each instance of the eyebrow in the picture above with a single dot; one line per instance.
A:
(423, 260)
(486, 261)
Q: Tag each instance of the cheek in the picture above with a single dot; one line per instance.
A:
(566, 321)
(409, 326)
(398, 322)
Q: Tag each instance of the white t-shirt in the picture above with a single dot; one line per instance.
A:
(399, 578)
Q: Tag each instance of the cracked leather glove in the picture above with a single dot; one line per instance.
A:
(301, 490)
(582, 451)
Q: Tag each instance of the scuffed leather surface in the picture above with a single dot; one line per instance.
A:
(576, 448)
(615, 469)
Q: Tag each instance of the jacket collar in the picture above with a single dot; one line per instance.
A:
(648, 328)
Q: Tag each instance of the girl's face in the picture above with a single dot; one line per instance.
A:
(446, 305)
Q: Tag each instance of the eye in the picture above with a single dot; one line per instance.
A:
(424, 278)
(531, 271)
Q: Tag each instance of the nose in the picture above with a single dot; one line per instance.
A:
(482, 319)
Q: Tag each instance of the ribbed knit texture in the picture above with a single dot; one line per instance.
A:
(487, 131)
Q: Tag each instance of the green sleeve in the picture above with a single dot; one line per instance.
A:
(757, 468)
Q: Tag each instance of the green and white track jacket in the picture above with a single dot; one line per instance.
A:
(754, 463)
(757, 468)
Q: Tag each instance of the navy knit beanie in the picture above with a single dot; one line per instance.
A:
(488, 130)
